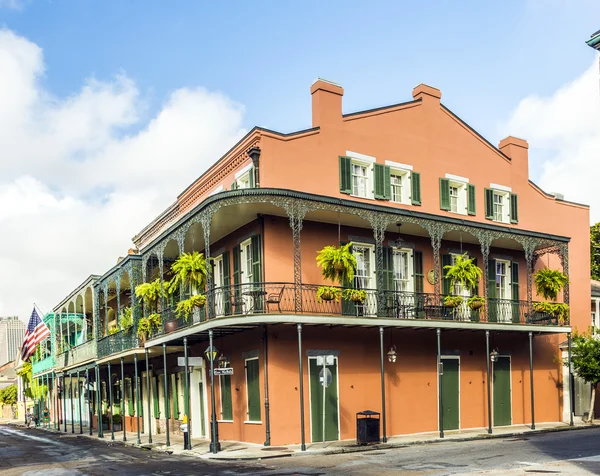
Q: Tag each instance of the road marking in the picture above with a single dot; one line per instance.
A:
(591, 459)
(32, 437)
(526, 463)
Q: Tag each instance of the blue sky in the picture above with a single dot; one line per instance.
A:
(484, 56)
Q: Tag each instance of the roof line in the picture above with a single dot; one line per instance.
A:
(381, 108)
(549, 195)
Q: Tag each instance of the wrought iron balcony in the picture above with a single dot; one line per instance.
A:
(282, 298)
(43, 365)
(118, 342)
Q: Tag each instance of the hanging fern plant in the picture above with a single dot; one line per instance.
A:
(187, 306)
(189, 271)
(338, 264)
(463, 272)
(549, 282)
(150, 293)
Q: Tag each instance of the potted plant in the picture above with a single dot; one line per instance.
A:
(105, 422)
(463, 272)
(338, 264)
(548, 283)
(148, 325)
(113, 330)
(117, 422)
(453, 301)
(126, 318)
(328, 293)
(475, 302)
(189, 273)
(150, 294)
(187, 306)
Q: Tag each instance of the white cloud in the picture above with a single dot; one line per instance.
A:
(76, 184)
(564, 129)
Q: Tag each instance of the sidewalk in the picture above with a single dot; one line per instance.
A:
(233, 450)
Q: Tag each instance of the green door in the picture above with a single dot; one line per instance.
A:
(450, 394)
(501, 392)
(202, 422)
(316, 402)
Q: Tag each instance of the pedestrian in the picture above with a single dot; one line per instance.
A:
(46, 417)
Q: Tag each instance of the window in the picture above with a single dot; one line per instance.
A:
(457, 195)
(359, 180)
(246, 252)
(252, 391)
(244, 178)
(364, 271)
(396, 183)
(501, 205)
(502, 280)
(498, 206)
(218, 271)
(226, 405)
(400, 187)
(402, 270)
(454, 198)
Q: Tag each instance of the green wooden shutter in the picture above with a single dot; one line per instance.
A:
(514, 208)
(415, 188)
(234, 185)
(175, 397)
(251, 177)
(387, 183)
(419, 274)
(348, 307)
(444, 194)
(256, 252)
(345, 175)
(226, 284)
(253, 390)
(388, 268)
(475, 313)
(446, 261)
(471, 210)
(514, 284)
(491, 284)
(237, 279)
(379, 174)
(489, 203)
(154, 384)
(130, 400)
(226, 405)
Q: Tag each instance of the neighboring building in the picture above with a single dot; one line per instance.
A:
(12, 333)
(594, 41)
(8, 375)
(411, 185)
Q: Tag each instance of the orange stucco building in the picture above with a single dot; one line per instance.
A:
(412, 186)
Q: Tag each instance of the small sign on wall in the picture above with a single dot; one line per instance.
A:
(192, 361)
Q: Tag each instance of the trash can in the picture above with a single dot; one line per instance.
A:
(367, 427)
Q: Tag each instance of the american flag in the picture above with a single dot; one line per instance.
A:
(36, 332)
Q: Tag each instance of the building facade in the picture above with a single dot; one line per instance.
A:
(12, 333)
(411, 186)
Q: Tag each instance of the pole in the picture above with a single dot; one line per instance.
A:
(383, 413)
(64, 395)
(266, 371)
(214, 439)
(110, 400)
(72, 404)
(166, 392)
(440, 374)
(186, 399)
(324, 382)
(571, 396)
(489, 394)
(87, 394)
(531, 380)
(149, 393)
(137, 399)
(123, 401)
(303, 445)
(79, 402)
(54, 399)
(99, 401)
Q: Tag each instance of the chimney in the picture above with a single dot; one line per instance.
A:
(326, 103)
(518, 152)
(426, 93)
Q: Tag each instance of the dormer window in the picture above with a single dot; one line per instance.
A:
(244, 178)
(457, 195)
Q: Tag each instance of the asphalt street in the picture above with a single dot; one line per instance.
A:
(34, 452)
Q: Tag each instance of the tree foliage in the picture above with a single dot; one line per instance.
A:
(8, 395)
(595, 250)
(585, 358)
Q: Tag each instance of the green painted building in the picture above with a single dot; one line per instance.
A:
(594, 41)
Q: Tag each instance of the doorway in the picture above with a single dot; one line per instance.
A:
(329, 394)
(502, 392)
(451, 393)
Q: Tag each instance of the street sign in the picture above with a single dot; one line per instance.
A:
(192, 361)
(328, 377)
(329, 360)
(223, 371)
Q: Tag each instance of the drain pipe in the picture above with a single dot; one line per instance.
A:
(266, 370)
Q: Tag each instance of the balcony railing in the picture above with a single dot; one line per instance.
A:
(118, 342)
(280, 298)
(75, 355)
(43, 365)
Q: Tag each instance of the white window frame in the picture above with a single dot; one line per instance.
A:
(460, 183)
(505, 205)
(245, 267)
(250, 422)
(221, 399)
(410, 272)
(366, 161)
(372, 278)
(404, 184)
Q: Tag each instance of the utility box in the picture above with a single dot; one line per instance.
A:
(367, 427)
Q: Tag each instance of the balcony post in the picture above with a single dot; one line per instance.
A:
(205, 221)
(485, 240)
(99, 401)
(110, 399)
(148, 395)
(123, 401)
(105, 323)
(296, 212)
(186, 395)
(72, 403)
(64, 399)
(215, 446)
(79, 402)
(301, 387)
(383, 412)
(489, 395)
(137, 398)
(166, 393)
(118, 291)
(160, 255)
(531, 380)
(379, 225)
(571, 396)
(529, 248)
(54, 399)
(563, 252)
(266, 379)
(87, 394)
(436, 233)
(440, 375)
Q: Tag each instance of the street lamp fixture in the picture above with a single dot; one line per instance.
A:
(494, 355)
(211, 354)
(391, 354)
(222, 361)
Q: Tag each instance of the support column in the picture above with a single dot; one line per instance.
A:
(186, 396)
(571, 396)
(485, 241)
(214, 437)
(440, 374)
(206, 220)
(118, 291)
(99, 402)
(54, 400)
(79, 403)
(64, 398)
(110, 400)
(123, 401)
(564, 261)
(166, 393)
(435, 232)
(149, 396)
(296, 213)
(383, 411)
(529, 249)
(266, 378)
(87, 395)
(300, 372)
(71, 398)
(531, 380)
(489, 394)
(137, 398)
(379, 225)
(160, 254)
